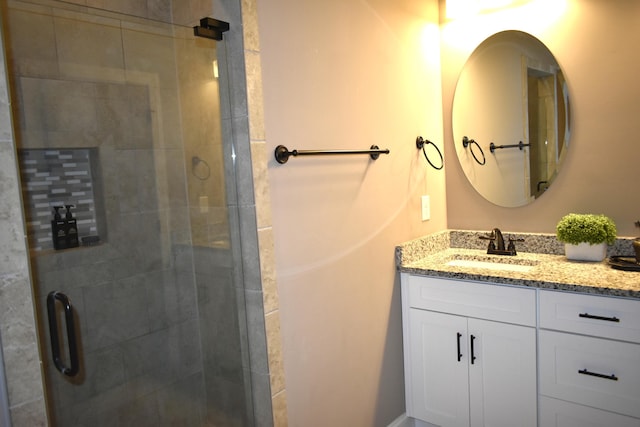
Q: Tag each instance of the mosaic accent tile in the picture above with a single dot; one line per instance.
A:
(57, 178)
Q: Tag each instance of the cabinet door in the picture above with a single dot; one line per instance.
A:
(502, 374)
(438, 392)
(559, 413)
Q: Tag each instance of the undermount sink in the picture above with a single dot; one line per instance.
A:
(491, 263)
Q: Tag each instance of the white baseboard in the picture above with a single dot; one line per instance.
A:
(402, 421)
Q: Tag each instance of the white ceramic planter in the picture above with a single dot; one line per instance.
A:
(585, 251)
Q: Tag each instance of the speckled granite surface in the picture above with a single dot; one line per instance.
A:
(550, 268)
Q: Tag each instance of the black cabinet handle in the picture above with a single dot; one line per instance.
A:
(459, 354)
(71, 333)
(473, 354)
(591, 316)
(595, 374)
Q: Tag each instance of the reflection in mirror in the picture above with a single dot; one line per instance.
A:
(512, 102)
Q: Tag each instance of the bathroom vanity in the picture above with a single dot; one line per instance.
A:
(530, 340)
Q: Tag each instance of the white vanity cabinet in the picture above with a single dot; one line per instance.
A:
(470, 352)
(589, 360)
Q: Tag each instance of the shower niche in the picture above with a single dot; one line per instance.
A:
(62, 178)
(90, 144)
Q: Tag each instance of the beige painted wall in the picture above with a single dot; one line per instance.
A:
(348, 74)
(595, 43)
(345, 75)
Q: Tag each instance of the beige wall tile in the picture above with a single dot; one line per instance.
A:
(159, 10)
(250, 25)
(267, 269)
(38, 55)
(12, 229)
(254, 95)
(130, 7)
(259, 158)
(189, 12)
(150, 53)
(77, 39)
(30, 414)
(19, 338)
(280, 410)
(274, 345)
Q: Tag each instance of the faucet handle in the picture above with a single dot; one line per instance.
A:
(491, 237)
(512, 246)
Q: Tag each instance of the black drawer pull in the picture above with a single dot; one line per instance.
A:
(591, 316)
(459, 354)
(473, 353)
(595, 374)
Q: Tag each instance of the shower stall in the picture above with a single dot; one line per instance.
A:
(123, 124)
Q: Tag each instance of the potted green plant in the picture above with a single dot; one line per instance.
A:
(586, 236)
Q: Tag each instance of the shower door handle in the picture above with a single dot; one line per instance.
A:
(72, 370)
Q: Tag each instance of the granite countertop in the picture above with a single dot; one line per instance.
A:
(549, 269)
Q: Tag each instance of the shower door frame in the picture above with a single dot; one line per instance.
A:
(236, 130)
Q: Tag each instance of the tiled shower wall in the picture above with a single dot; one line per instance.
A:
(57, 178)
(17, 319)
(18, 332)
(134, 295)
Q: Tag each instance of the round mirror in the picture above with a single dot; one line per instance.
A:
(511, 118)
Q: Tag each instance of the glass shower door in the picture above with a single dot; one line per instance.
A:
(118, 126)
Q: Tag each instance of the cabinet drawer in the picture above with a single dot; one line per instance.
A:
(480, 300)
(558, 413)
(607, 317)
(591, 371)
